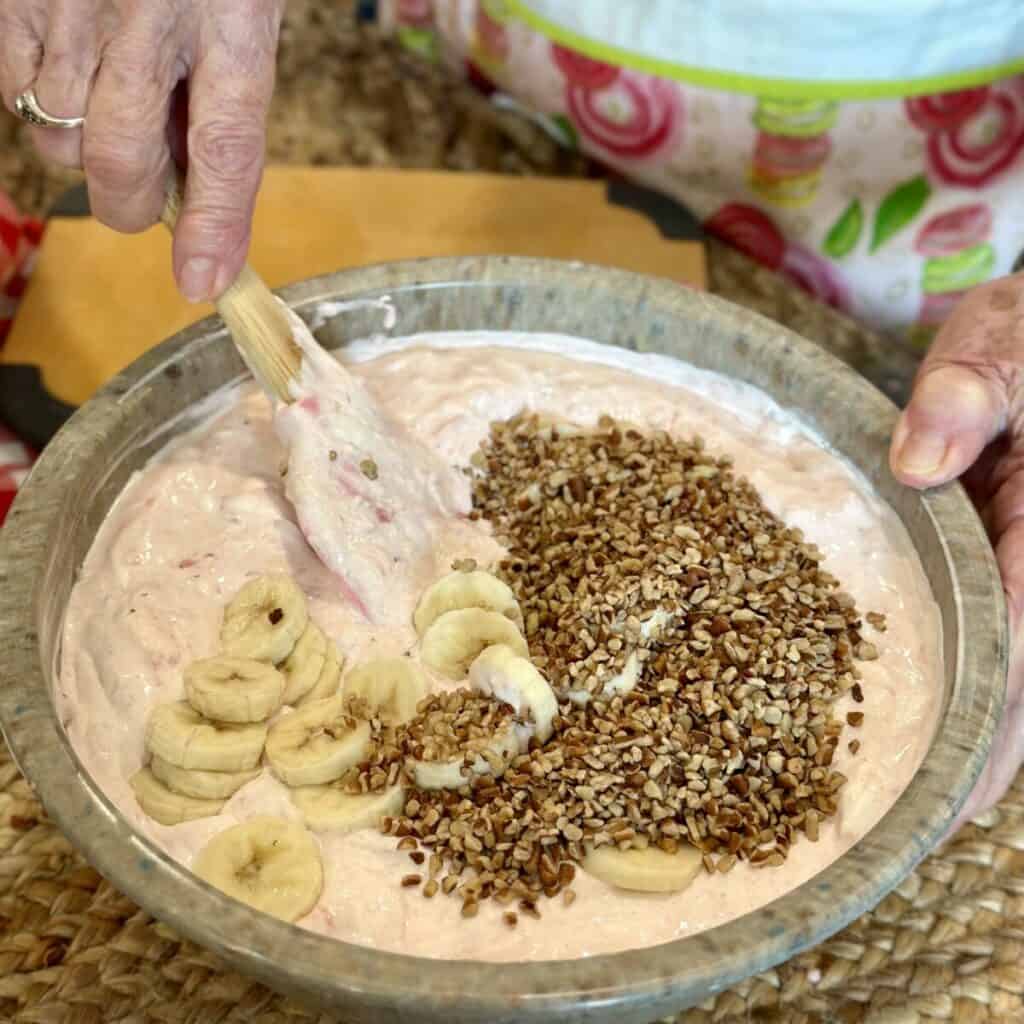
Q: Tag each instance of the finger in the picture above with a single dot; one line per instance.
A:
(229, 95)
(965, 388)
(21, 51)
(1007, 751)
(70, 58)
(1006, 518)
(954, 412)
(124, 149)
(1007, 523)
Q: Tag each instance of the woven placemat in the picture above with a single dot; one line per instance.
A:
(947, 946)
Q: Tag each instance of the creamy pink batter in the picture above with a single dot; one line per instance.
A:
(369, 496)
(211, 513)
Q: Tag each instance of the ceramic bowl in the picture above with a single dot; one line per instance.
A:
(58, 512)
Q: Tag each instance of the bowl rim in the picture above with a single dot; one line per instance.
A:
(344, 974)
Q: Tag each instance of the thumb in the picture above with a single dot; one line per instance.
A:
(954, 412)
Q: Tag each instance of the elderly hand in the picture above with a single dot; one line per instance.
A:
(119, 63)
(966, 417)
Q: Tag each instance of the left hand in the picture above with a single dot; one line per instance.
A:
(966, 419)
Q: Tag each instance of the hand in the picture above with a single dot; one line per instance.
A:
(966, 418)
(120, 63)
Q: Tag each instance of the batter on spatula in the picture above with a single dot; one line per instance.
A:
(368, 495)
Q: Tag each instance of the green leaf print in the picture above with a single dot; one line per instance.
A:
(422, 42)
(845, 233)
(898, 209)
(566, 129)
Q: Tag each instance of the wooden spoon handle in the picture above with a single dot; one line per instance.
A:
(255, 319)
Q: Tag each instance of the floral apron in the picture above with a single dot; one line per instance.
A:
(870, 152)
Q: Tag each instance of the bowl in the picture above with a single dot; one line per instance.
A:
(53, 522)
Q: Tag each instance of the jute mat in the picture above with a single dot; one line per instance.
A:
(947, 946)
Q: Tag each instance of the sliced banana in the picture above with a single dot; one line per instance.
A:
(454, 640)
(392, 687)
(184, 738)
(271, 864)
(330, 809)
(650, 870)
(317, 743)
(330, 677)
(233, 689)
(456, 772)
(166, 806)
(198, 784)
(264, 620)
(625, 680)
(619, 684)
(476, 589)
(304, 666)
(502, 672)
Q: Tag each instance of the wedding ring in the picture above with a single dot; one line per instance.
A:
(26, 106)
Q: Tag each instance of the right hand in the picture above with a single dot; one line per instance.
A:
(119, 63)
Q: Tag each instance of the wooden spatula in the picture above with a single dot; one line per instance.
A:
(256, 321)
(367, 495)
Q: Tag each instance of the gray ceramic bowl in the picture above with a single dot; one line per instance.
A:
(80, 474)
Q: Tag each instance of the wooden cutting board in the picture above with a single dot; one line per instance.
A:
(97, 299)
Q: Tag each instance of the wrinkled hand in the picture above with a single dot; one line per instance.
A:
(120, 64)
(966, 418)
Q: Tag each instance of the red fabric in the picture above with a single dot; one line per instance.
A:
(19, 239)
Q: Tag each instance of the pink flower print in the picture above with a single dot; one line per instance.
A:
(945, 110)
(756, 235)
(981, 146)
(416, 13)
(955, 230)
(11, 239)
(751, 231)
(957, 257)
(634, 117)
(581, 70)
(815, 276)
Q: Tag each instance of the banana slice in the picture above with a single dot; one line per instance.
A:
(330, 809)
(233, 689)
(618, 685)
(476, 589)
(454, 640)
(629, 676)
(197, 784)
(330, 677)
(501, 672)
(318, 743)
(265, 620)
(392, 687)
(456, 772)
(650, 870)
(271, 864)
(184, 738)
(304, 666)
(166, 806)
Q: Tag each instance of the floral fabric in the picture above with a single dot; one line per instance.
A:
(884, 209)
(19, 238)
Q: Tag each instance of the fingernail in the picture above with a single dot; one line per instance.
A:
(197, 278)
(922, 454)
(223, 281)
